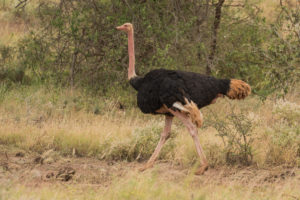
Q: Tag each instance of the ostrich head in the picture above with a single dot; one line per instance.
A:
(127, 27)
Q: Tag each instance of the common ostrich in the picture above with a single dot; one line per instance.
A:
(180, 94)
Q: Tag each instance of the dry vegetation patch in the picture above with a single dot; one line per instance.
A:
(68, 173)
(250, 132)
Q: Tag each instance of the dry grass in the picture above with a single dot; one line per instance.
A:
(37, 119)
(269, 9)
(149, 187)
(15, 22)
(155, 184)
(10, 32)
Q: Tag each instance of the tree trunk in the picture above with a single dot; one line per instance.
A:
(73, 66)
(213, 45)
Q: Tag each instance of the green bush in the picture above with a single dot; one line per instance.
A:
(236, 133)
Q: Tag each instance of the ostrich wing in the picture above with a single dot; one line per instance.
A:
(172, 91)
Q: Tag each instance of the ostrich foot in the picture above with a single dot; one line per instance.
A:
(146, 166)
(201, 170)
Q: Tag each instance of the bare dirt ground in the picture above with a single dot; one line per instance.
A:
(35, 170)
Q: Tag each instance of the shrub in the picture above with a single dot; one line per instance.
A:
(236, 133)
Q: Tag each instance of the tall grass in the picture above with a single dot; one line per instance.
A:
(39, 118)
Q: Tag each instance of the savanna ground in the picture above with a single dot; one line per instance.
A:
(57, 143)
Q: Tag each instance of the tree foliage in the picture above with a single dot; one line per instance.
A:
(77, 44)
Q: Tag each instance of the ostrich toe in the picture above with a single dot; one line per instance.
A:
(145, 166)
(201, 170)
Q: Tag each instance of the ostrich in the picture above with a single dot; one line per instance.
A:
(180, 94)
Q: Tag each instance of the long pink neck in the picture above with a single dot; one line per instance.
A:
(131, 68)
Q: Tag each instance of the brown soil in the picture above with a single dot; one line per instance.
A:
(35, 170)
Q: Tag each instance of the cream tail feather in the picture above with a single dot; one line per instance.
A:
(192, 110)
(179, 106)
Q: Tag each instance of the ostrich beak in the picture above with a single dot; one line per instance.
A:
(119, 27)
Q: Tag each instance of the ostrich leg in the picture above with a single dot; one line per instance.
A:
(163, 138)
(194, 133)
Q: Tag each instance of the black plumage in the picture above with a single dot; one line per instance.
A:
(161, 86)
